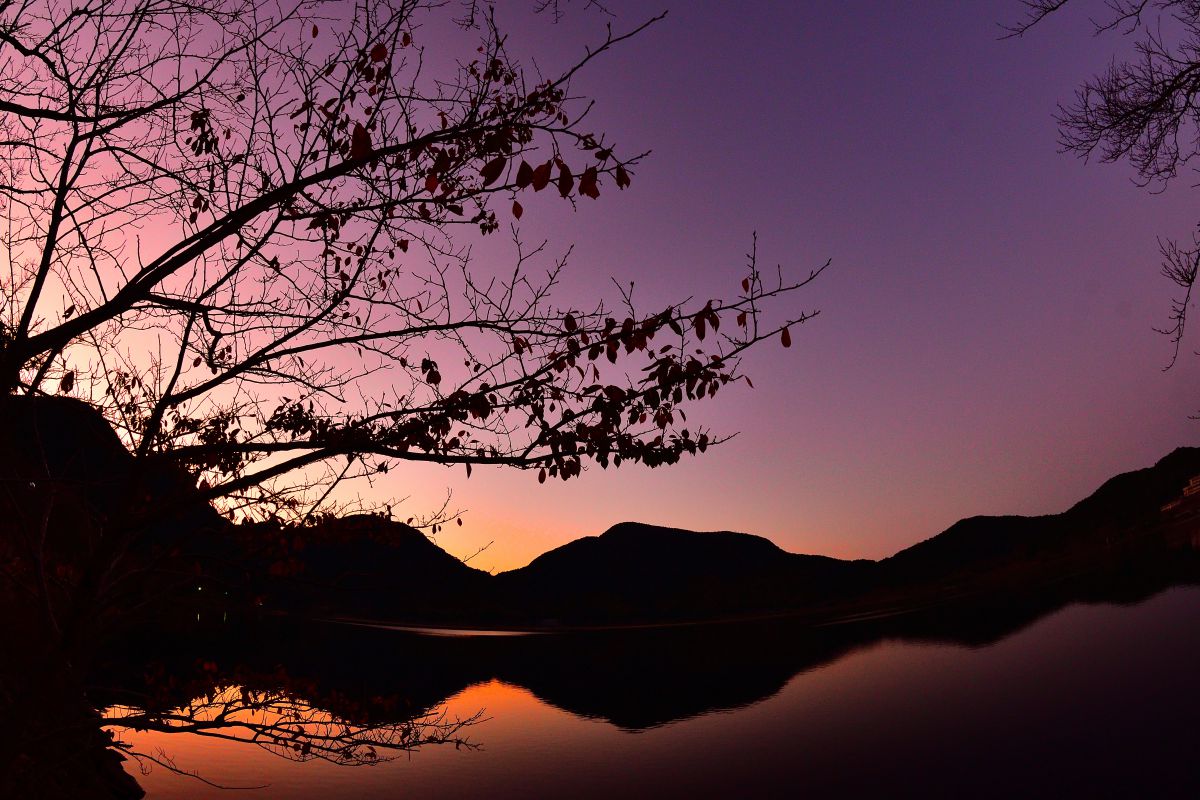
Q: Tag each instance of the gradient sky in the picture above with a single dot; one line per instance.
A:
(985, 343)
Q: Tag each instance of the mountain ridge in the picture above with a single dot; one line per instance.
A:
(372, 567)
(1182, 463)
(634, 573)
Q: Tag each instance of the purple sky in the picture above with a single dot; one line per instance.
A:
(985, 344)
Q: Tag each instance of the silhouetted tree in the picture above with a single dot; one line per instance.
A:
(242, 229)
(1144, 109)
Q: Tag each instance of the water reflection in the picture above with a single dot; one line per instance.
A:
(1096, 701)
(337, 694)
(287, 726)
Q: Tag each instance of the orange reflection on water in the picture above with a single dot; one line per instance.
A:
(1089, 701)
(199, 759)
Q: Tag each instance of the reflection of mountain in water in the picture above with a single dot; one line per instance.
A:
(634, 679)
(379, 680)
(725, 619)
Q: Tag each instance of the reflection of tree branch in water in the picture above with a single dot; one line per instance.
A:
(165, 761)
(289, 727)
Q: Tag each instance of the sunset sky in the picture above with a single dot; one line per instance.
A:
(284, 283)
(985, 343)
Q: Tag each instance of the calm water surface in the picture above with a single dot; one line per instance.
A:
(1092, 701)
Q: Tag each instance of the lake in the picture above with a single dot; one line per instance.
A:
(1088, 700)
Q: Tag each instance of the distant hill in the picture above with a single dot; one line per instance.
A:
(368, 567)
(634, 572)
(1123, 508)
(637, 573)
(117, 534)
(365, 566)
(61, 459)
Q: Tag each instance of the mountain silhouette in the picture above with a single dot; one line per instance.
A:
(363, 566)
(1124, 513)
(119, 533)
(637, 573)
(644, 624)
(63, 459)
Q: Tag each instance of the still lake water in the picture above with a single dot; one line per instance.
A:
(1090, 701)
